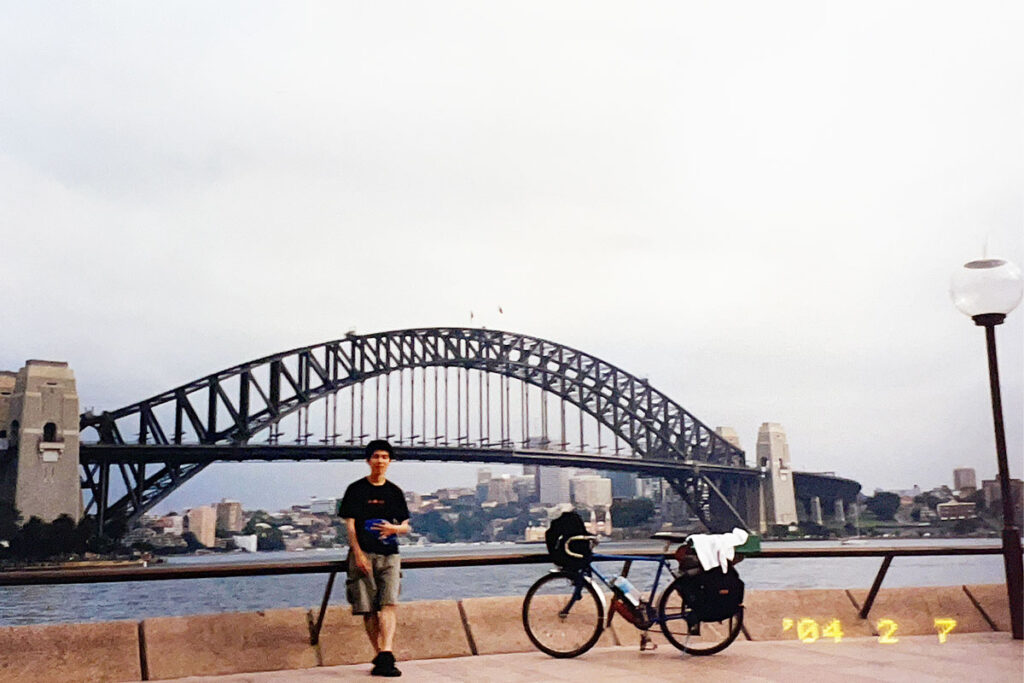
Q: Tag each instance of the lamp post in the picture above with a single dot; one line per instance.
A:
(986, 290)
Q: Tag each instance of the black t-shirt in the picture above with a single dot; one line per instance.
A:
(365, 501)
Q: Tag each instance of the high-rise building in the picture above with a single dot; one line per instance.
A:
(554, 485)
(500, 490)
(994, 497)
(591, 491)
(202, 522)
(525, 487)
(964, 478)
(229, 515)
(483, 475)
(623, 484)
(651, 487)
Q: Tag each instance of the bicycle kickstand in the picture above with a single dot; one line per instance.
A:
(646, 643)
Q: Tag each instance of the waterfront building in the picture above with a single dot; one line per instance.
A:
(229, 515)
(994, 498)
(247, 542)
(172, 525)
(964, 480)
(525, 488)
(651, 487)
(202, 522)
(673, 508)
(325, 506)
(554, 485)
(598, 521)
(591, 491)
(955, 510)
(454, 493)
(623, 484)
(500, 490)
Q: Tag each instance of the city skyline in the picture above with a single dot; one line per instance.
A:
(177, 501)
(758, 208)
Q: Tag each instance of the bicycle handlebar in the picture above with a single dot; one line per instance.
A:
(588, 537)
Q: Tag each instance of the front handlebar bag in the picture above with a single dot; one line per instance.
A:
(562, 528)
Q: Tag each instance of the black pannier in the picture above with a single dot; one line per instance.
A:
(713, 595)
(564, 527)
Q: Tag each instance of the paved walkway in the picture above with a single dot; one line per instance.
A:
(975, 656)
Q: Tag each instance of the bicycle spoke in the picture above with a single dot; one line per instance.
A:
(559, 623)
(704, 638)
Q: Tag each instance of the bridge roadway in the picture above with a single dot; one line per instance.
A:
(99, 453)
(990, 657)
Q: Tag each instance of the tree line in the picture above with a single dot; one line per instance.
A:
(36, 540)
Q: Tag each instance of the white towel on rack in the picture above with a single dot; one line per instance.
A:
(716, 550)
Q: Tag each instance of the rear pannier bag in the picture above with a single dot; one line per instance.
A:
(713, 595)
(564, 527)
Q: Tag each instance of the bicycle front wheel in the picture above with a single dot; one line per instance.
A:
(563, 615)
(708, 638)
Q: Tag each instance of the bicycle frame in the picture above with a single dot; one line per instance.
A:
(650, 615)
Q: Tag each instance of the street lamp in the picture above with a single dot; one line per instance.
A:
(986, 290)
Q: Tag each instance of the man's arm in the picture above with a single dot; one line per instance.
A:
(361, 560)
(388, 529)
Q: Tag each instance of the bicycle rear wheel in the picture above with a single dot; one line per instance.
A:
(563, 615)
(711, 637)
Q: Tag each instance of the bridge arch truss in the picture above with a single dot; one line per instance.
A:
(235, 406)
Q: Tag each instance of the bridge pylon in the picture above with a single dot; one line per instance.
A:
(39, 441)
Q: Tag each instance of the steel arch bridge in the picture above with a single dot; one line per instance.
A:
(175, 434)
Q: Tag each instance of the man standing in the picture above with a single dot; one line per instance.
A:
(375, 513)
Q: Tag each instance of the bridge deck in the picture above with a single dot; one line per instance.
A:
(973, 656)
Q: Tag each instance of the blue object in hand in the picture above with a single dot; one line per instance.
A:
(369, 526)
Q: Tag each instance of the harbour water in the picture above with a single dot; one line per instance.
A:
(138, 600)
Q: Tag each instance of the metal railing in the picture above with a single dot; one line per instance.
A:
(42, 577)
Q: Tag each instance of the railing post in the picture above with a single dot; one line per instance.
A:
(314, 636)
(875, 586)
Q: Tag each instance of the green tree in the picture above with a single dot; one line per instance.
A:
(9, 520)
(436, 527)
(63, 537)
(632, 512)
(884, 505)
(269, 538)
(33, 541)
(469, 526)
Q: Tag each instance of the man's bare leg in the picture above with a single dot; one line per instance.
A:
(372, 625)
(386, 621)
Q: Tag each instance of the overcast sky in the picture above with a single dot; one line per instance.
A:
(756, 205)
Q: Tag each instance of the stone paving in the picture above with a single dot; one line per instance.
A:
(988, 657)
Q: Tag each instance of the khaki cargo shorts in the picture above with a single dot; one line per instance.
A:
(368, 594)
